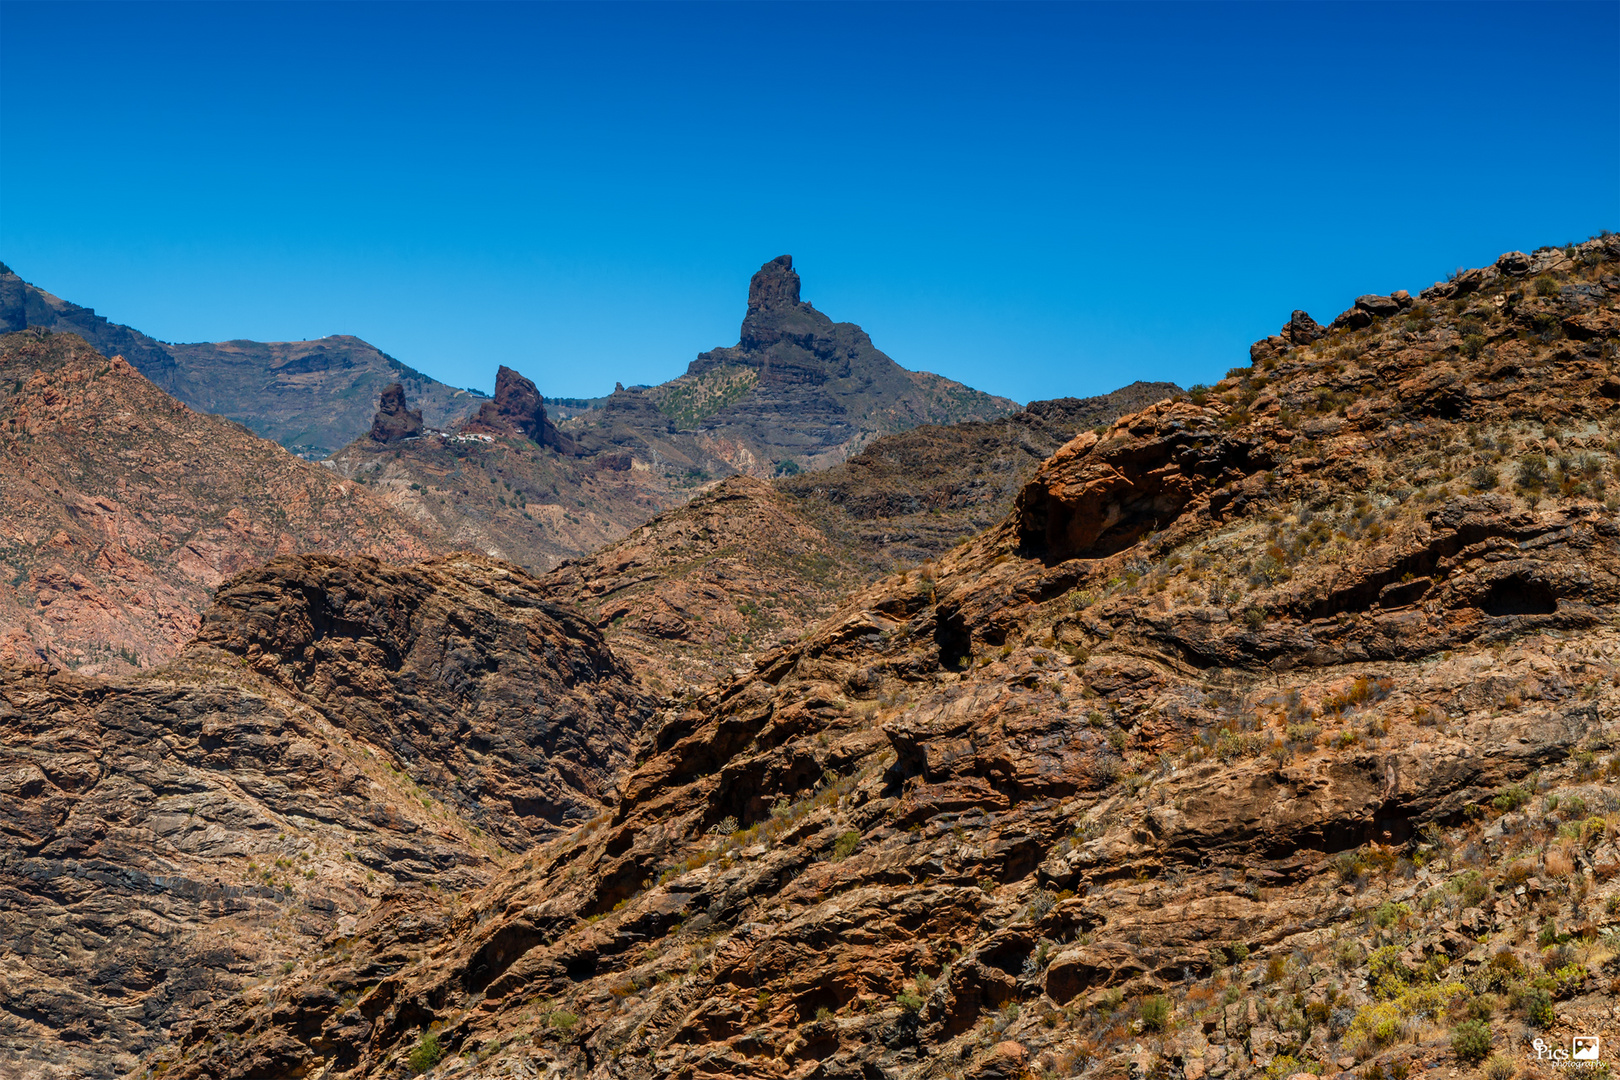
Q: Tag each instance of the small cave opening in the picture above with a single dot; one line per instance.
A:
(953, 638)
(1519, 596)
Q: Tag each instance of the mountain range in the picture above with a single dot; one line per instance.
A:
(310, 396)
(1255, 730)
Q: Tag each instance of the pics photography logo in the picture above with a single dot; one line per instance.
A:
(1583, 1048)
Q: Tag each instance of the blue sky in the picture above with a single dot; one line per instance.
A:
(1037, 200)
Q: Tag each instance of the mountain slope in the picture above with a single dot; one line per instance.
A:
(338, 728)
(911, 496)
(506, 482)
(1271, 732)
(310, 396)
(797, 388)
(120, 508)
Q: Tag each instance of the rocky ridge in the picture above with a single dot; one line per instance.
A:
(339, 728)
(1271, 732)
(121, 508)
(310, 396)
(797, 391)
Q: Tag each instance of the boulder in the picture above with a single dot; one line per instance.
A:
(1514, 262)
(1302, 329)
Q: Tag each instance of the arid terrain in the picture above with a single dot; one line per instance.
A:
(1268, 728)
(121, 509)
(310, 396)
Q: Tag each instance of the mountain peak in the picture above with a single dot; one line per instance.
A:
(776, 286)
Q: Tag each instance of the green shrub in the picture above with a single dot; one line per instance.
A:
(1511, 798)
(1388, 914)
(563, 1020)
(1471, 1041)
(845, 845)
(1568, 980)
(1535, 1005)
(1155, 1012)
(1546, 285)
(909, 1000)
(1500, 1068)
(426, 1053)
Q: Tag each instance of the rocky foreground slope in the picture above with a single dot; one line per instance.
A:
(337, 728)
(121, 509)
(1274, 731)
(310, 396)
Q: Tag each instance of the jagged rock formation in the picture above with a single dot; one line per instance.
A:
(120, 508)
(394, 420)
(518, 408)
(337, 729)
(310, 396)
(1273, 729)
(913, 496)
(798, 390)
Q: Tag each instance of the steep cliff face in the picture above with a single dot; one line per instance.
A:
(1272, 731)
(120, 508)
(338, 729)
(518, 409)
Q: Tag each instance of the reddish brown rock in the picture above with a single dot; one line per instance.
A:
(394, 421)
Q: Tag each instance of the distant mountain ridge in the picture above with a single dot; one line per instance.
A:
(797, 391)
(121, 509)
(310, 396)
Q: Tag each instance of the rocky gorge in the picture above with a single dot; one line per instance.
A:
(1247, 730)
(1271, 730)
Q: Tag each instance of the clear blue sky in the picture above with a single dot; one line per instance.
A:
(1036, 200)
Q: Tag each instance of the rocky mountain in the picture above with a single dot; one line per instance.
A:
(697, 591)
(339, 728)
(1271, 732)
(506, 482)
(912, 496)
(121, 509)
(797, 391)
(310, 396)
(510, 483)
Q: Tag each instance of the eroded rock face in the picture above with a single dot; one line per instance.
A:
(991, 809)
(1100, 494)
(394, 421)
(518, 407)
(509, 706)
(338, 729)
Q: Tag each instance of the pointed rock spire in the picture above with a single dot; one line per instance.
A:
(394, 421)
(518, 407)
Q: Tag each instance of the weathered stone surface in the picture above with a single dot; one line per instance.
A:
(338, 729)
(519, 409)
(1221, 756)
(394, 421)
